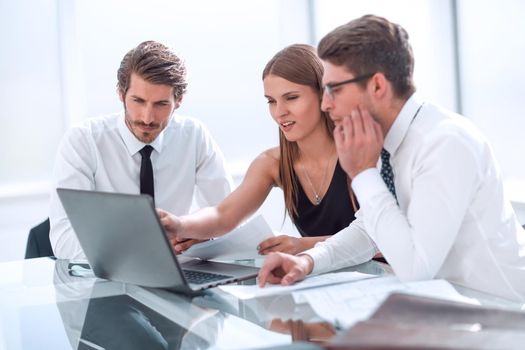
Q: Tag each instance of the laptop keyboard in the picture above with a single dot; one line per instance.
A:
(200, 277)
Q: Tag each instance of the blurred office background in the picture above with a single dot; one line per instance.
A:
(59, 59)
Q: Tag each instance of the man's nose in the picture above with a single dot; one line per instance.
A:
(148, 115)
(326, 103)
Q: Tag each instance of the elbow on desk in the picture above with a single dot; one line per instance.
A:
(58, 249)
(414, 273)
(65, 245)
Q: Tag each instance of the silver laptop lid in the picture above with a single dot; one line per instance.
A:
(124, 241)
(123, 238)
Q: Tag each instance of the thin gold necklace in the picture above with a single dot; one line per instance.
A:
(317, 196)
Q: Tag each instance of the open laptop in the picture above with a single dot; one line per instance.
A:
(123, 240)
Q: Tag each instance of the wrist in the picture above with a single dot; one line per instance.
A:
(307, 262)
(354, 172)
(181, 227)
(304, 244)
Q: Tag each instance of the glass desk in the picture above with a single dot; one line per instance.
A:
(44, 304)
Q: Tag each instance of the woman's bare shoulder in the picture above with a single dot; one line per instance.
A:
(269, 161)
(271, 155)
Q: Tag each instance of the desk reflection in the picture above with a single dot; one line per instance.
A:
(98, 314)
(315, 332)
(120, 322)
(103, 314)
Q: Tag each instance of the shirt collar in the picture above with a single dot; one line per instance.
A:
(399, 128)
(133, 145)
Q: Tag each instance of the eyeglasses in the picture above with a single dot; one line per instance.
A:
(329, 88)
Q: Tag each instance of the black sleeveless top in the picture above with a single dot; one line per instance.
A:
(334, 213)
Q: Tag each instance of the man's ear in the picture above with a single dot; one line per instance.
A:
(379, 85)
(178, 102)
(121, 94)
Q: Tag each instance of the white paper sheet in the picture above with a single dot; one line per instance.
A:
(253, 291)
(238, 244)
(346, 304)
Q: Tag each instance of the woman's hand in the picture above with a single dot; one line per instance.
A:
(171, 223)
(182, 244)
(173, 227)
(283, 244)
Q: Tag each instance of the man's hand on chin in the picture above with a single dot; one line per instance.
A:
(358, 140)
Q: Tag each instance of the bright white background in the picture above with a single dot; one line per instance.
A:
(59, 59)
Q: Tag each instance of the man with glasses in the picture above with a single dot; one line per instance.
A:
(146, 148)
(430, 190)
(329, 87)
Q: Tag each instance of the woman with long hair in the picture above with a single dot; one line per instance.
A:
(317, 193)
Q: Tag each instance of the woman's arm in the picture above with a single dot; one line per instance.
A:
(245, 200)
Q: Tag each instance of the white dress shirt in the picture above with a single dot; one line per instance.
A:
(103, 155)
(453, 220)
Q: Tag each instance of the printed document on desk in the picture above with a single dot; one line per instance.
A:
(239, 244)
(254, 291)
(346, 304)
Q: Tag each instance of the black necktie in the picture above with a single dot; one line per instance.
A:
(146, 172)
(386, 172)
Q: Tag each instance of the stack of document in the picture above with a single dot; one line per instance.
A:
(345, 298)
(346, 304)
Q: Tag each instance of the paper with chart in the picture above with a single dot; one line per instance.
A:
(346, 304)
(239, 244)
(254, 291)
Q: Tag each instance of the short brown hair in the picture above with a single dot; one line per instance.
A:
(371, 44)
(155, 63)
(298, 64)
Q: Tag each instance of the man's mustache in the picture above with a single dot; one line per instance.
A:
(154, 125)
